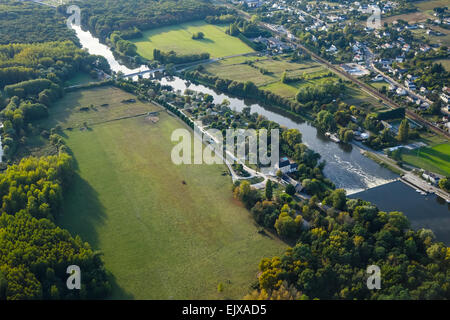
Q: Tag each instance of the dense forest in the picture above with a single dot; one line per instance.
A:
(39, 54)
(22, 22)
(334, 242)
(34, 252)
(102, 17)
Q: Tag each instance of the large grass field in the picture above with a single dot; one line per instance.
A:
(161, 238)
(435, 159)
(103, 103)
(179, 39)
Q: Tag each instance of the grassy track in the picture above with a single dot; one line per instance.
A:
(161, 239)
(179, 39)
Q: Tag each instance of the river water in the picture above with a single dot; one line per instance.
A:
(345, 165)
(430, 211)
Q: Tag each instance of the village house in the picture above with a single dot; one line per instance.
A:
(286, 166)
(401, 91)
(431, 177)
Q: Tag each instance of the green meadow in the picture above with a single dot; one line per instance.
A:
(435, 159)
(166, 231)
(179, 39)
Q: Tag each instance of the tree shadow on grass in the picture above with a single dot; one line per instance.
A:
(432, 156)
(60, 113)
(82, 211)
(117, 292)
(430, 153)
(82, 214)
(206, 40)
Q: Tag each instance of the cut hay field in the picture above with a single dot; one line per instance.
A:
(161, 238)
(179, 39)
(435, 159)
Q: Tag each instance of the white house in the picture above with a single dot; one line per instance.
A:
(286, 166)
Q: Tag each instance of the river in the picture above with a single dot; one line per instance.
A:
(430, 211)
(345, 165)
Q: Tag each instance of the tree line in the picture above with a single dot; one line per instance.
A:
(102, 17)
(175, 58)
(245, 90)
(34, 251)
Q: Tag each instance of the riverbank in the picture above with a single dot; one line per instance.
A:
(345, 166)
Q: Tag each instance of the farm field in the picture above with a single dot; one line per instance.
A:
(166, 231)
(379, 84)
(289, 90)
(80, 108)
(435, 159)
(430, 5)
(239, 70)
(102, 103)
(179, 39)
(443, 40)
(413, 17)
(242, 71)
(357, 97)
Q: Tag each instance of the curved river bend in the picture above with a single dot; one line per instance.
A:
(345, 165)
